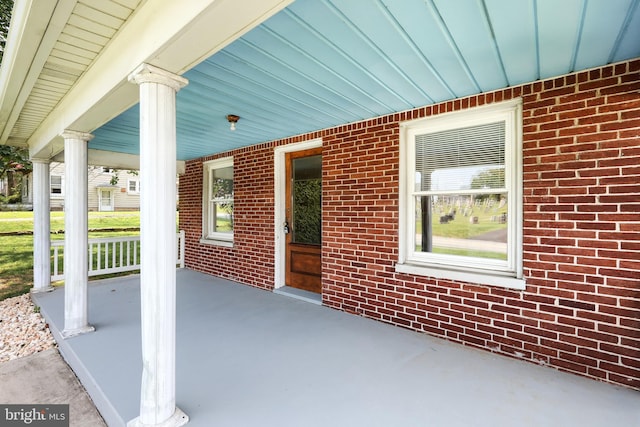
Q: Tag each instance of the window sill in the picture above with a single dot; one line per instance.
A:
(463, 276)
(213, 242)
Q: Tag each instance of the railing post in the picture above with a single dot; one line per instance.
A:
(90, 257)
(113, 255)
(55, 260)
(181, 248)
(98, 257)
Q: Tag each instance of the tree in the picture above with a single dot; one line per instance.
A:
(14, 165)
(487, 179)
(14, 161)
(5, 18)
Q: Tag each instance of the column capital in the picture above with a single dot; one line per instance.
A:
(74, 134)
(146, 73)
(40, 160)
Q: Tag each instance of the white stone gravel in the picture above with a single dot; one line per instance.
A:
(22, 330)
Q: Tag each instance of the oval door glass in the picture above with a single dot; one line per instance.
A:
(307, 200)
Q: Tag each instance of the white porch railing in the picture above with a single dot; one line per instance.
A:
(110, 255)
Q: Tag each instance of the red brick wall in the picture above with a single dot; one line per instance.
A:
(251, 258)
(580, 311)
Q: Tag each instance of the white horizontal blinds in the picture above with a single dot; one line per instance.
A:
(461, 159)
(56, 184)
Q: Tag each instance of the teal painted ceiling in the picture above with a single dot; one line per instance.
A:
(321, 63)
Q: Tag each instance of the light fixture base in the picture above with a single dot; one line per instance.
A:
(232, 119)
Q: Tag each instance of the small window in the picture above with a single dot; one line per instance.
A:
(462, 195)
(218, 200)
(56, 185)
(133, 186)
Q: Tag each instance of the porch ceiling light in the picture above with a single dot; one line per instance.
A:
(233, 119)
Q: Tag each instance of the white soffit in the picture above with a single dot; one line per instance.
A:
(72, 39)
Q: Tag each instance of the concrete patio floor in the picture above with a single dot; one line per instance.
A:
(247, 357)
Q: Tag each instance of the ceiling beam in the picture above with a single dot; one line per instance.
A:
(115, 160)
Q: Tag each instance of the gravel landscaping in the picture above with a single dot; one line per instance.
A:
(23, 331)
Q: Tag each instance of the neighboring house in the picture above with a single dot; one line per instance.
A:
(464, 169)
(108, 189)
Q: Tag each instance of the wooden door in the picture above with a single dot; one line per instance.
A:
(304, 220)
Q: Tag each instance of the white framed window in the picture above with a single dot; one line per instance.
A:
(133, 186)
(218, 201)
(461, 196)
(56, 185)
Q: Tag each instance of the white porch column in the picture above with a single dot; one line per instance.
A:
(158, 245)
(41, 226)
(76, 255)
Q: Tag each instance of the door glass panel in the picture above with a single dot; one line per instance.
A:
(307, 200)
(106, 198)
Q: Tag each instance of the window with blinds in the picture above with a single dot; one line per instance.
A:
(56, 185)
(463, 176)
(461, 194)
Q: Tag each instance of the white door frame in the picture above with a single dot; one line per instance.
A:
(112, 199)
(280, 186)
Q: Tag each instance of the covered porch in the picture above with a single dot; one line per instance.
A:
(247, 357)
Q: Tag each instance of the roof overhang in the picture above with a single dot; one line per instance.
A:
(285, 67)
(164, 33)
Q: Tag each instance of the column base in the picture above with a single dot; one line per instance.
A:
(178, 419)
(70, 333)
(41, 290)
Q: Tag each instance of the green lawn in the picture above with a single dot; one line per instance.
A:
(460, 227)
(469, 253)
(23, 221)
(16, 265)
(16, 251)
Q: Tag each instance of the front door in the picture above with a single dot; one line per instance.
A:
(105, 201)
(303, 223)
